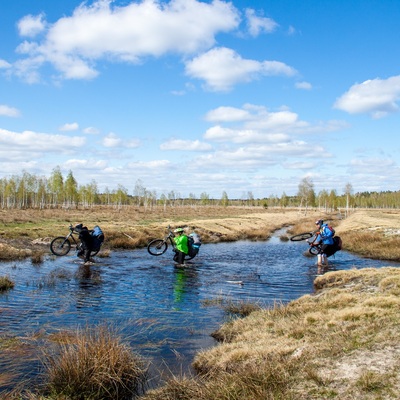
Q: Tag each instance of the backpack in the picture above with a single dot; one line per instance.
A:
(194, 243)
(332, 230)
(98, 237)
(338, 243)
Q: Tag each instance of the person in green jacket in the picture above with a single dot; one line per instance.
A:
(181, 246)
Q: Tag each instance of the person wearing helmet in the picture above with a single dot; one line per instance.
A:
(324, 235)
(181, 246)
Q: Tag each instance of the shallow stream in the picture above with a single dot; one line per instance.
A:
(166, 313)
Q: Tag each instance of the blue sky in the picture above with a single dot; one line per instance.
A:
(203, 96)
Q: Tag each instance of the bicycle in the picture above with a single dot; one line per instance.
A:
(315, 249)
(61, 245)
(157, 247)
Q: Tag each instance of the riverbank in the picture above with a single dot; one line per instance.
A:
(342, 342)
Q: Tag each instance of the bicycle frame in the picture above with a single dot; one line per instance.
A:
(71, 235)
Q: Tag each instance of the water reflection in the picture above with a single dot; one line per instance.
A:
(159, 308)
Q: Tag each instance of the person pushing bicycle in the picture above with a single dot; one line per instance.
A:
(87, 243)
(324, 235)
(181, 246)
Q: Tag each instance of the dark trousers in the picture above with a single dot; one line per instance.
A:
(87, 244)
(328, 249)
(179, 257)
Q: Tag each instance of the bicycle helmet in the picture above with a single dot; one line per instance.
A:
(178, 230)
(319, 222)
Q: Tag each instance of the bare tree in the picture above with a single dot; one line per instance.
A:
(306, 193)
(348, 190)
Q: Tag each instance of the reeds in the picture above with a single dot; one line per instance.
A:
(6, 283)
(94, 364)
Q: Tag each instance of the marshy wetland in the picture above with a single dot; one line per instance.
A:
(179, 320)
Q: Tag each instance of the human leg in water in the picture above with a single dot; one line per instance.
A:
(179, 257)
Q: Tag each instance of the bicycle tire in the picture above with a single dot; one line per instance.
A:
(157, 247)
(60, 246)
(302, 236)
(314, 250)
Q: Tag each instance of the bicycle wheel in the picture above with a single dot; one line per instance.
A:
(60, 246)
(157, 247)
(301, 236)
(314, 250)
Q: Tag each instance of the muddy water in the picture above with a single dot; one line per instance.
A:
(166, 313)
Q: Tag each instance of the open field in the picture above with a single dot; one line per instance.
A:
(27, 231)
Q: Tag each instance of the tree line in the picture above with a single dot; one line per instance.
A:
(30, 191)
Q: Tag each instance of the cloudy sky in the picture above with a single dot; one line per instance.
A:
(203, 96)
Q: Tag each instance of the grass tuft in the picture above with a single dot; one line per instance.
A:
(6, 283)
(94, 364)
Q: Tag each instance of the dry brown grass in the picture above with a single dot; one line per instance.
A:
(372, 233)
(6, 283)
(94, 364)
(24, 231)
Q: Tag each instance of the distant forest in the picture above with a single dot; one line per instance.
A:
(29, 191)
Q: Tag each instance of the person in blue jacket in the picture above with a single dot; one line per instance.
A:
(324, 235)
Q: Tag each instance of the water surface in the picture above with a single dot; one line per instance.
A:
(159, 308)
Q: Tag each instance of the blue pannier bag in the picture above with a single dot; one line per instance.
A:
(98, 237)
(194, 243)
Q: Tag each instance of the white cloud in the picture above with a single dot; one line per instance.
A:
(69, 127)
(80, 164)
(74, 43)
(91, 131)
(303, 85)
(228, 114)
(112, 141)
(222, 68)
(374, 166)
(155, 164)
(220, 134)
(377, 97)
(257, 24)
(4, 64)
(185, 145)
(304, 165)
(258, 118)
(38, 142)
(31, 25)
(9, 111)
(258, 156)
(133, 143)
